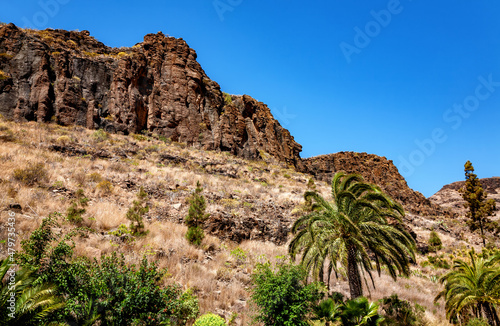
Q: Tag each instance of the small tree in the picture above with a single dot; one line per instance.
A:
(476, 201)
(196, 216)
(435, 242)
(136, 213)
(77, 208)
(281, 295)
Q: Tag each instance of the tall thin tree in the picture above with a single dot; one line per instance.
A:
(479, 207)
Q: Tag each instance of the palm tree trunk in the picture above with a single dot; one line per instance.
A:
(490, 314)
(355, 286)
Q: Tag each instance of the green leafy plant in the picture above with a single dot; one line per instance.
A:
(22, 300)
(210, 320)
(77, 208)
(136, 212)
(282, 296)
(400, 312)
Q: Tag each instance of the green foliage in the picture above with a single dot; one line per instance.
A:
(472, 289)
(360, 312)
(479, 207)
(352, 231)
(100, 135)
(210, 320)
(77, 208)
(136, 212)
(22, 302)
(328, 310)
(196, 216)
(32, 174)
(435, 242)
(122, 230)
(477, 322)
(227, 98)
(110, 291)
(400, 312)
(281, 295)
(239, 254)
(437, 261)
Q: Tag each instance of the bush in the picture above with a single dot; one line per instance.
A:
(32, 174)
(477, 322)
(210, 320)
(435, 242)
(105, 187)
(110, 291)
(100, 135)
(400, 312)
(77, 208)
(136, 212)
(282, 296)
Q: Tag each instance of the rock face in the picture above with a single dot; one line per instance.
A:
(155, 86)
(449, 197)
(374, 169)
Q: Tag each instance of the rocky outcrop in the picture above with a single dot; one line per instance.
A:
(374, 169)
(156, 86)
(449, 197)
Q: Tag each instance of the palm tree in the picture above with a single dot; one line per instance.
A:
(352, 230)
(472, 289)
(32, 302)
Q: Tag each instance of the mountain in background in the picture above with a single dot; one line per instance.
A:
(158, 87)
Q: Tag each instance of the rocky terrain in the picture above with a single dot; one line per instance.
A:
(155, 86)
(378, 170)
(158, 87)
(449, 197)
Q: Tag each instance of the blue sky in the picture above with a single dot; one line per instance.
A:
(415, 81)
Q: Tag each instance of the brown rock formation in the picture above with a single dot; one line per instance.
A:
(374, 169)
(157, 86)
(449, 197)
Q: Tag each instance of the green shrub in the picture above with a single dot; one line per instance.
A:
(400, 312)
(77, 208)
(435, 242)
(136, 212)
(227, 99)
(210, 320)
(282, 296)
(109, 292)
(477, 322)
(240, 255)
(32, 174)
(100, 135)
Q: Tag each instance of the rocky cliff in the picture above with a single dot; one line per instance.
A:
(157, 86)
(449, 197)
(374, 169)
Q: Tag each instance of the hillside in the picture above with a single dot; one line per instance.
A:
(158, 87)
(449, 197)
(78, 115)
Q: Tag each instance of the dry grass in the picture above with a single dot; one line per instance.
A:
(218, 276)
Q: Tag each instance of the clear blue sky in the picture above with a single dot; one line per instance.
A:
(415, 81)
